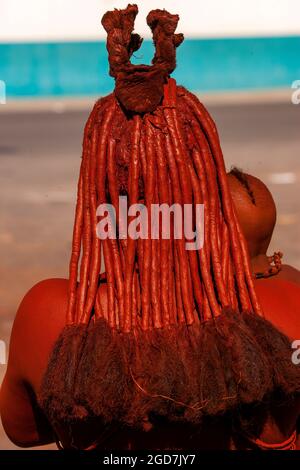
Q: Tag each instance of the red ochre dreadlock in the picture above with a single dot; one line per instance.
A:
(184, 335)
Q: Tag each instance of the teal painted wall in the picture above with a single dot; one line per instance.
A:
(81, 68)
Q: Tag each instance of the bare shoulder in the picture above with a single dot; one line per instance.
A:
(43, 309)
(39, 320)
(290, 273)
(38, 323)
(280, 299)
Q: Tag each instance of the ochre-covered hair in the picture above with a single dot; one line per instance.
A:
(168, 154)
(183, 334)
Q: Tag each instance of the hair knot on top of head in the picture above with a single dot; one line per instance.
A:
(139, 88)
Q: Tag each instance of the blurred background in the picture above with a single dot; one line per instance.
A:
(241, 58)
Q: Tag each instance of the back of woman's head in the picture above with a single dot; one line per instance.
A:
(183, 335)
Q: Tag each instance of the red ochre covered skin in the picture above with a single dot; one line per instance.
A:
(123, 353)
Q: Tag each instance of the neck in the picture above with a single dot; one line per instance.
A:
(260, 263)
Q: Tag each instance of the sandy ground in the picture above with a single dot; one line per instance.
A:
(39, 161)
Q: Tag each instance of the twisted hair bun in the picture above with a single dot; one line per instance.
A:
(139, 88)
